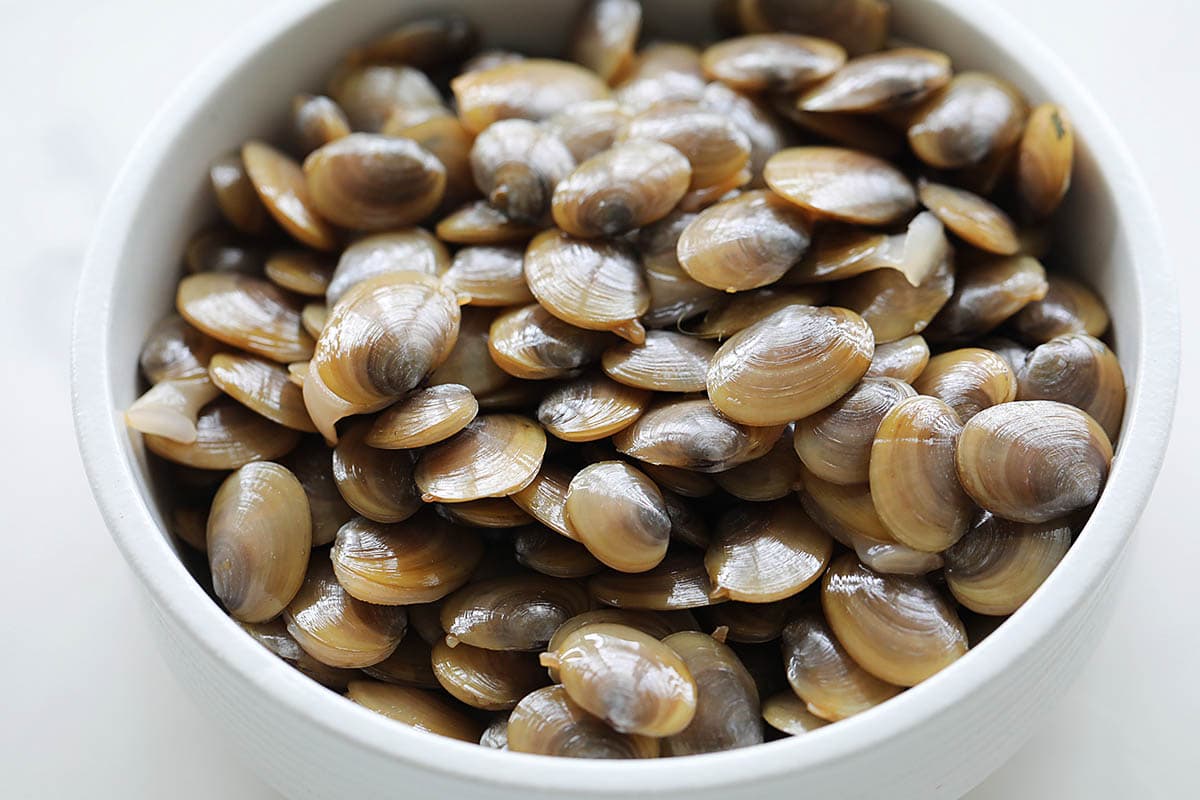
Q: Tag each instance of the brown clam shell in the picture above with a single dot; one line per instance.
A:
(1081, 371)
(423, 418)
(761, 553)
(968, 380)
(619, 515)
(379, 484)
(285, 193)
(494, 456)
(549, 723)
(841, 184)
(248, 313)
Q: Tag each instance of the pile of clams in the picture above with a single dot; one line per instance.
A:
(658, 400)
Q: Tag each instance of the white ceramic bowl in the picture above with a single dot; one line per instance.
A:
(937, 740)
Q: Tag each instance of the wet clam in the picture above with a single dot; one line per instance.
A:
(1078, 370)
(405, 250)
(531, 343)
(777, 62)
(591, 408)
(418, 708)
(776, 474)
(371, 93)
(1068, 307)
(741, 310)
(550, 553)
(235, 195)
(479, 223)
(312, 464)
(1013, 353)
(423, 418)
(469, 363)
(316, 121)
(674, 295)
(765, 131)
(986, 294)
(228, 436)
(170, 408)
(605, 35)
(835, 443)
(861, 26)
(517, 164)
(379, 484)
(409, 664)
(891, 305)
(191, 526)
(619, 515)
(893, 558)
(589, 128)
(785, 712)
(899, 629)
(312, 318)
(678, 582)
(445, 137)
(545, 497)
(273, 635)
(248, 313)
(975, 116)
(841, 184)
(657, 624)
(417, 561)
(968, 380)
(789, 365)
(880, 81)
(662, 72)
(495, 735)
(752, 623)
(487, 512)
(761, 553)
(856, 131)
(281, 186)
(665, 362)
(424, 42)
(717, 149)
(727, 708)
(494, 680)
(972, 218)
(174, 349)
(548, 722)
(262, 386)
(1045, 158)
(841, 251)
(596, 285)
(218, 249)
(515, 612)
(680, 480)
(490, 275)
(903, 359)
(845, 512)
(493, 456)
(300, 271)
(533, 89)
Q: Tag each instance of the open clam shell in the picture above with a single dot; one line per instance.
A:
(170, 408)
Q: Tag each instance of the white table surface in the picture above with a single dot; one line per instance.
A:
(89, 710)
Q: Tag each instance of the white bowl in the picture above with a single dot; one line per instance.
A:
(937, 740)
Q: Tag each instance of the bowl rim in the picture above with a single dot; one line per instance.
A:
(176, 595)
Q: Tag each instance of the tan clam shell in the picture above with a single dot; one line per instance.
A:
(531, 343)
(228, 436)
(857, 131)
(776, 474)
(405, 250)
(776, 62)
(913, 481)
(1078, 370)
(533, 89)
(893, 558)
(880, 81)
(605, 34)
(744, 243)
(469, 363)
(630, 185)
(689, 433)
(235, 195)
(761, 553)
(715, 147)
(248, 313)
(445, 137)
(423, 418)
(490, 275)
(316, 121)
(487, 512)
(417, 708)
(986, 294)
(589, 128)
(1045, 159)
(553, 554)
(371, 93)
(494, 680)
(174, 349)
(844, 512)
(596, 285)
(479, 223)
(548, 722)
(417, 561)
(258, 539)
(312, 464)
(968, 380)
(632, 681)
(262, 386)
(313, 318)
(861, 26)
(1068, 307)
(657, 624)
(892, 306)
(678, 582)
(422, 42)
(785, 712)
(840, 251)
(975, 116)
(750, 623)
(898, 628)
(301, 271)
(218, 249)
(494, 456)
(619, 514)
(379, 484)
(789, 365)
(545, 497)
(841, 184)
(517, 164)
(765, 130)
(590, 408)
(666, 362)
(972, 218)
(190, 525)
(273, 635)
(513, 612)
(662, 72)
(903, 359)
(410, 664)
(285, 193)
(674, 295)
(680, 480)
(739, 311)
(823, 675)
(171, 408)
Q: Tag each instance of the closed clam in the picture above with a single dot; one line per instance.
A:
(259, 536)
(972, 218)
(689, 433)
(1045, 158)
(469, 363)
(228, 435)
(590, 408)
(371, 93)
(479, 223)
(514, 612)
(619, 515)
(494, 456)
(856, 131)
(490, 275)
(486, 512)
(285, 193)
(190, 525)
(530, 342)
(822, 674)
(548, 552)
(741, 310)
(785, 712)
(968, 380)
(630, 185)
(335, 628)
(369, 182)
(899, 629)
(761, 553)
(316, 121)
(891, 305)
(605, 35)
(423, 418)
(764, 130)
(841, 184)
(1078, 370)
(494, 680)
(674, 295)
(678, 582)
(789, 365)
(423, 42)
(913, 481)
(273, 635)
(545, 497)
(495, 735)
(312, 318)
(550, 723)
(893, 558)
(751, 623)
(301, 271)
(770, 477)
(777, 62)
(533, 89)
(845, 512)
(417, 708)
(727, 708)
(262, 386)
(171, 408)
(517, 164)
(174, 349)
(312, 464)
(657, 624)
(1068, 307)
(714, 146)
(417, 561)
(835, 443)
(444, 136)
(588, 128)
(903, 359)
(661, 72)
(248, 313)
(880, 81)
(408, 665)
(975, 116)
(218, 249)
(381, 340)
(235, 195)
(405, 250)
(596, 285)
(681, 480)
(986, 294)
(744, 243)
(379, 484)
(861, 26)
(665, 362)
(1013, 353)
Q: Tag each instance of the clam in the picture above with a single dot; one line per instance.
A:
(312, 318)
(674, 295)
(903, 359)
(789, 365)
(861, 26)
(549, 723)
(490, 275)
(408, 665)
(417, 561)
(846, 513)
(822, 673)
(619, 515)
(312, 464)
(913, 482)
(744, 243)
(248, 313)
(301, 271)
(605, 35)
(191, 526)
(629, 679)
(316, 121)
(369, 182)
(258, 540)
(632, 184)
(591, 408)
(899, 629)
(891, 305)
(235, 195)
(423, 418)
(514, 612)
(1078, 370)
(218, 249)
(378, 484)
(424, 42)
(1045, 158)
(776, 62)
(228, 436)
(405, 250)
(494, 456)
(545, 497)
(550, 553)
(678, 582)
(517, 164)
(657, 624)
(661, 72)
(751, 623)
(596, 285)
(680, 480)
(469, 363)
(494, 680)
(975, 116)
(273, 635)
(743, 309)
(785, 712)
(262, 386)
(372, 93)
(1013, 353)
(835, 443)
(531, 343)
(880, 81)
(174, 349)
(761, 553)
(968, 380)
(765, 131)
(688, 525)
(495, 735)
(893, 558)
(479, 223)
(487, 512)
(665, 362)
(775, 475)
(972, 218)
(533, 89)
(444, 136)
(714, 146)
(1068, 307)
(841, 184)
(690, 433)
(417, 708)
(986, 294)
(170, 408)
(381, 340)
(588, 128)
(335, 628)
(281, 186)
(842, 251)
(727, 707)
(856, 131)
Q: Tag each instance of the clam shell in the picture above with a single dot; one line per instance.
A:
(1045, 159)
(530, 342)
(495, 735)
(841, 184)
(776, 474)
(191, 526)
(855, 131)
(972, 218)
(891, 305)
(766, 552)
(469, 363)
(515, 612)
(750, 623)
(861, 26)
(285, 193)
(410, 664)
(1013, 353)
(549, 723)
(545, 497)
(665, 362)
(490, 275)
(903, 359)
(657, 624)
(312, 464)
(312, 318)
(235, 195)
(174, 349)
(479, 223)
(880, 81)
(715, 147)
(1078, 370)
(379, 484)
(219, 249)
(493, 680)
(300, 271)
(533, 89)
(785, 712)
(590, 408)
(262, 386)
(316, 121)
(550, 553)
(619, 515)
(968, 380)
(423, 418)
(488, 512)
(170, 408)
(228, 436)
(424, 42)
(680, 480)
(371, 93)
(678, 582)
(844, 512)
(841, 251)
(248, 313)
(662, 72)
(986, 294)
(517, 164)
(494, 456)
(743, 309)
(975, 116)
(445, 137)
(605, 35)
(273, 635)
(674, 295)
(776, 62)
(893, 558)
(417, 708)
(764, 130)
(1068, 307)
(406, 250)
